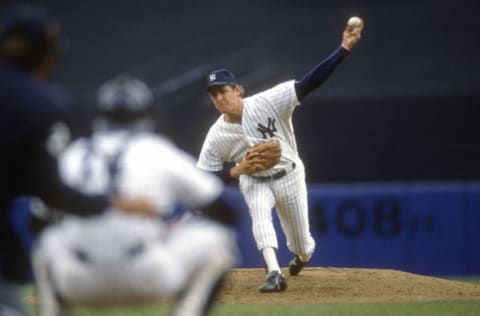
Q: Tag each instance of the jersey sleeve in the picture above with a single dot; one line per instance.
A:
(83, 169)
(209, 159)
(282, 98)
(154, 168)
(194, 186)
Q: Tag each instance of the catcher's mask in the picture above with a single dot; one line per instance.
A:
(124, 100)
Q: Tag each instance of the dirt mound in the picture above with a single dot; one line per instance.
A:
(322, 285)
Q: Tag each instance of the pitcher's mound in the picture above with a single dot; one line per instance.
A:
(322, 285)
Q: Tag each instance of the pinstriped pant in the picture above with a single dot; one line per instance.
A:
(289, 197)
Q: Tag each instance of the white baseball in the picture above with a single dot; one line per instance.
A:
(354, 21)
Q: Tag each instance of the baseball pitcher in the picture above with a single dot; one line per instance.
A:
(256, 133)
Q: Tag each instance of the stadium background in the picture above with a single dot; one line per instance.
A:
(396, 122)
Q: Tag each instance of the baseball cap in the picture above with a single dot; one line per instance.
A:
(26, 33)
(220, 77)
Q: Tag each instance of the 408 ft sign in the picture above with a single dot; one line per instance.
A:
(352, 217)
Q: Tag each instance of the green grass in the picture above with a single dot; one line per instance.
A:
(443, 308)
(357, 309)
(438, 308)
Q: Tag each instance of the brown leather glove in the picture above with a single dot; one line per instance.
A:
(262, 157)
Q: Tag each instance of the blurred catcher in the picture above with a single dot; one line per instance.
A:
(119, 258)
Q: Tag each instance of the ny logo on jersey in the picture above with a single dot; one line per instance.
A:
(270, 129)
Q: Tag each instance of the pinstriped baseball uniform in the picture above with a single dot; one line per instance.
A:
(266, 116)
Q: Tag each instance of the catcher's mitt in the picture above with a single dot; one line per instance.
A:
(262, 157)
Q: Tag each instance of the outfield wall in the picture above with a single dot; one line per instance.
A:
(426, 228)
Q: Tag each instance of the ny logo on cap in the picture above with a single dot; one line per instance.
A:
(212, 77)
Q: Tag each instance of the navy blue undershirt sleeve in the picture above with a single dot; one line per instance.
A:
(40, 173)
(224, 174)
(223, 210)
(318, 74)
(49, 186)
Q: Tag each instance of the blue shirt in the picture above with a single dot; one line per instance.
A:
(33, 117)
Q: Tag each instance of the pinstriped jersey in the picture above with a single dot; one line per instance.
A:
(266, 116)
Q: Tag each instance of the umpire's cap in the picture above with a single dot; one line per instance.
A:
(124, 98)
(27, 34)
(220, 77)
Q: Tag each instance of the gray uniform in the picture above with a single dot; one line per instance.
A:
(120, 258)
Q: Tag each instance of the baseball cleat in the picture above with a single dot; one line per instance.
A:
(296, 265)
(275, 282)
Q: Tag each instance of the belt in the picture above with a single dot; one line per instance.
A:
(275, 176)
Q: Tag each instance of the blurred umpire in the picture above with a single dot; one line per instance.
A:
(33, 131)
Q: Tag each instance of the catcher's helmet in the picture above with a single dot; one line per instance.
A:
(124, 98)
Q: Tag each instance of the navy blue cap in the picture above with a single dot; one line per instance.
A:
(220, 77)
(26, 32)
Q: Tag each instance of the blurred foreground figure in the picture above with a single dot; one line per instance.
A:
(119, 258)
(34, 129)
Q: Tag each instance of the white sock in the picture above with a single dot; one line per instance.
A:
(270, 257)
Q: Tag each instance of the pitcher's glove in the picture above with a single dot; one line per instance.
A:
(262, 157)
